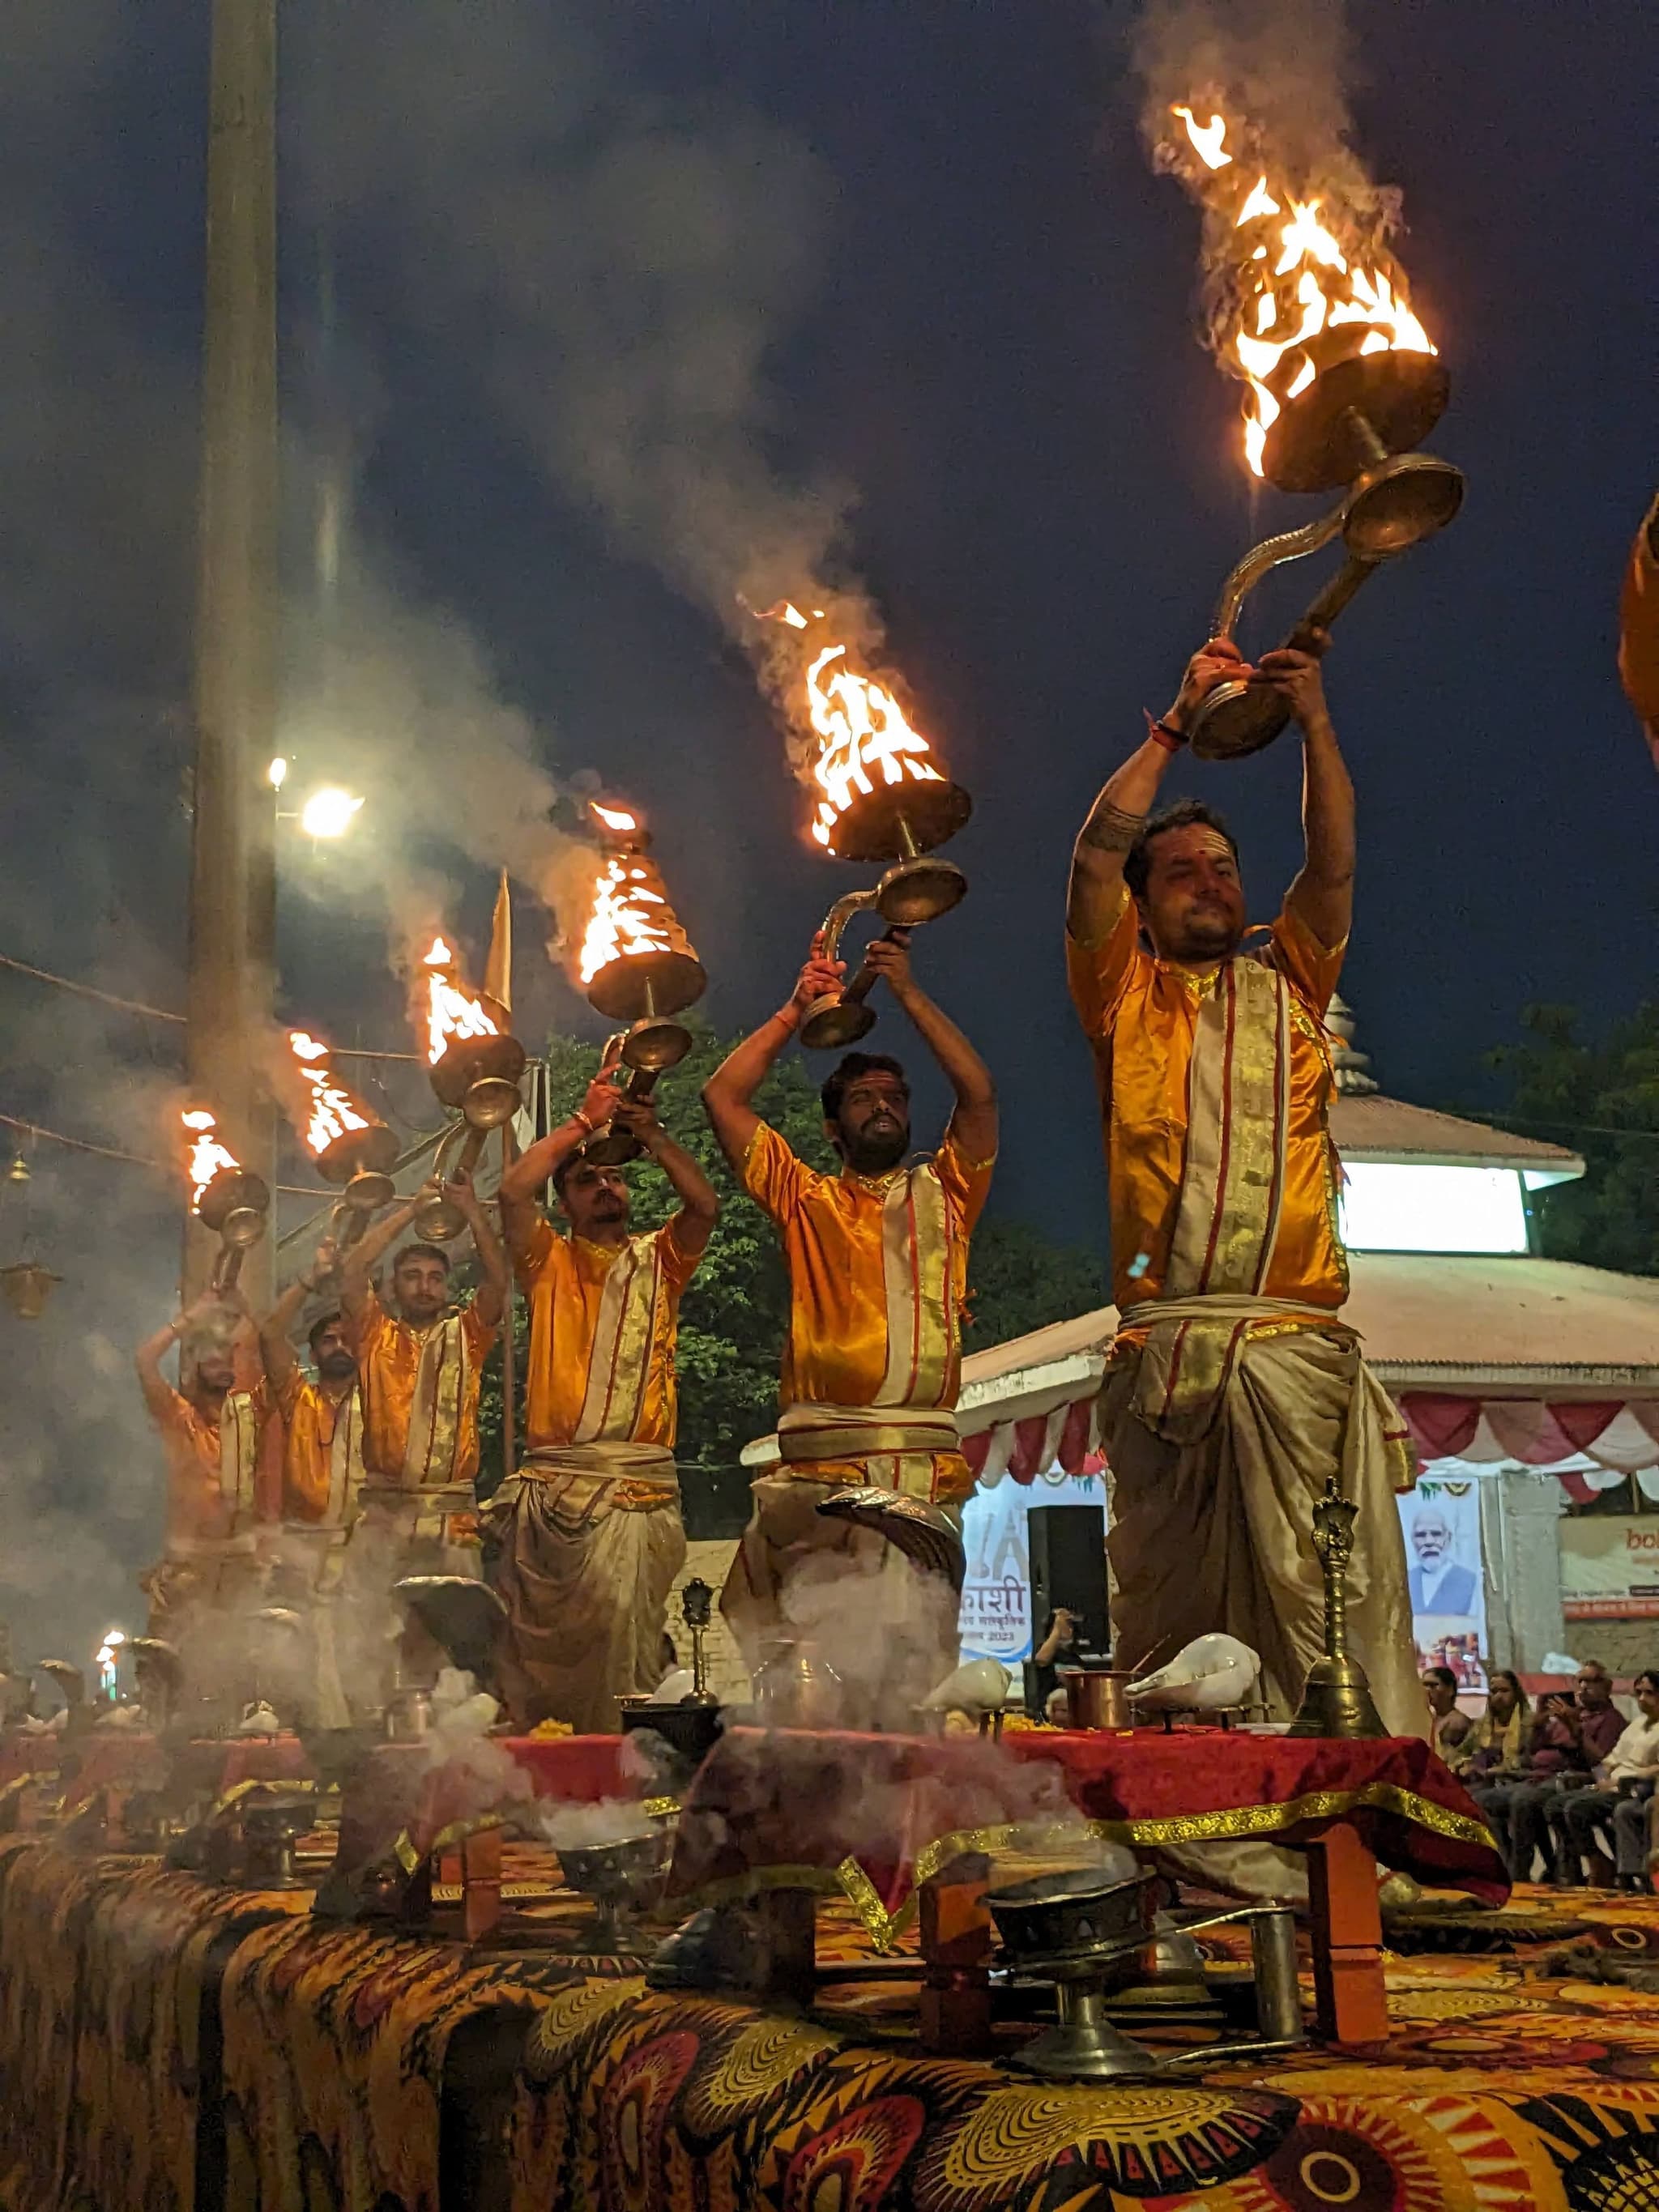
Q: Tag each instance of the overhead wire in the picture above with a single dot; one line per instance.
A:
(164, 1014)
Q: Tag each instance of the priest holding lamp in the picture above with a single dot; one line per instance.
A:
(590, 1524)
(878, 1261)
(1234, 1389)
(419, 1360)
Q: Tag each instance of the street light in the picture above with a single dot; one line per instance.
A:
(329, 812)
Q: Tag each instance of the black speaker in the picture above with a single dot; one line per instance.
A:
(1068, 1568)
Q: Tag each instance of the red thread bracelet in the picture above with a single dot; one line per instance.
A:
(1162, 734)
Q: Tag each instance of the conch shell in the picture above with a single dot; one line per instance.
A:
(1211, 1672)
(979, 1686)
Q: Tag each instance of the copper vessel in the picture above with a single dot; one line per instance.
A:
(1095, 1697)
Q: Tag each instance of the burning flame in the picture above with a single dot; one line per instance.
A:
(451, 1013)
(207, 1155)
(613, 817)
(861, 727)
(863, 736)
(631, 915)
(332, 1110)
(1295, 261)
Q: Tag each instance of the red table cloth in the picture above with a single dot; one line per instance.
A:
(581, 1768)
(29, 1754)
(405, 1788)
(875, 1816)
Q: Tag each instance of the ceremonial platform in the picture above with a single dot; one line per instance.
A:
(171, 2044)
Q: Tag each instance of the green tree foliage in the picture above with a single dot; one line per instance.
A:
(1603, 1099)
(735, 1315)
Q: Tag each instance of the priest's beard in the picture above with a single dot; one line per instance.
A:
(876, 1149)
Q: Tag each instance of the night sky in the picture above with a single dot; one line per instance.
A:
(986, 329)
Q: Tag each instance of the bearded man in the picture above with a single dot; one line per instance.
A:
(590, 1525)
(1234, 1389)
(878, 1261)
(418, 1362)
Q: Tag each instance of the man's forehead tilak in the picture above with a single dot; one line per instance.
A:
(1200, 838)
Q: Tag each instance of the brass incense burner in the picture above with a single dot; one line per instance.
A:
(1091, 1936)
(236, 1203)
(1336, 1700)
(624, 1879)
(646, 990)
(479, 1076)
(901, 823)
(1353, 428)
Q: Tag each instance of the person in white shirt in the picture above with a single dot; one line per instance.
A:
(1624, 1781)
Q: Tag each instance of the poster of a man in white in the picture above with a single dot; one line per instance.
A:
(1442, 1525)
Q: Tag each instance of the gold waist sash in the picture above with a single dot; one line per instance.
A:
(810, 1434)
(578, 1486)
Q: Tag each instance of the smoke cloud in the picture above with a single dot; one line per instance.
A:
(627, 270)
(1284, 63)
(398, 701)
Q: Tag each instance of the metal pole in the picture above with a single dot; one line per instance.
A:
(233, 865)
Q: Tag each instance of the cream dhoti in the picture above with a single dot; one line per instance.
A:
(1219, 1441)
(591, 1541)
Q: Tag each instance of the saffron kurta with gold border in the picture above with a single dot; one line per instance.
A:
(322, 1452)
(1140, 1014)
(877, 1269)
(213, 1467)
(565, 1280)
(420, 1430)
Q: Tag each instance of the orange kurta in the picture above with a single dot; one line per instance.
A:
(1138, 1013)
(388, 1365)
(205, 1452)
(838, 1350)
(320, 1482)
(564, 1278)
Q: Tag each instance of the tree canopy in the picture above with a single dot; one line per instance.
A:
(734, 1316)
(1603, 1099)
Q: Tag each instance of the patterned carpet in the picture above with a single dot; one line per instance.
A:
(1508, 2081)
(166, 2046)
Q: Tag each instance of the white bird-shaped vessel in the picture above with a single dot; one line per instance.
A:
(979, 1686)
(1211, 1672)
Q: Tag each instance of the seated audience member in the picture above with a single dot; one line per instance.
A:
(1583, 1818)
(1571, 1730)
(1449, 1730)
(1497, 1749)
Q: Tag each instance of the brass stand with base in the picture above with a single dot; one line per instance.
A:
(1336, 1699)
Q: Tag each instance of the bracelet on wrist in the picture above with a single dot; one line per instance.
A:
(589, 1127)
(1163, 731)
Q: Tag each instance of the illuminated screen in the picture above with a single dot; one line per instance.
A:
(1387, 1208)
